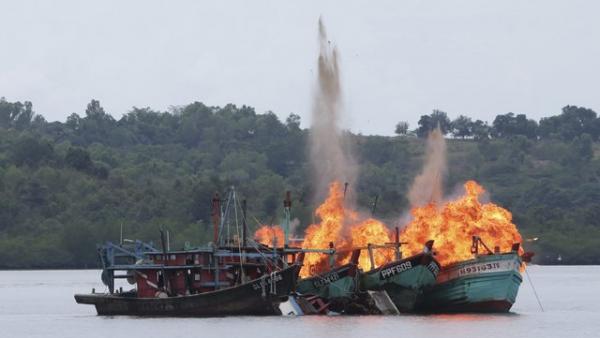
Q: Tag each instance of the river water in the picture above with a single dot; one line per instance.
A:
(40, 304)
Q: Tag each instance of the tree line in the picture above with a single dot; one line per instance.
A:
(65, 186)
(571, 123)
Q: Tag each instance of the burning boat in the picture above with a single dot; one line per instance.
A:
(325, 285)
(486, 283)
(469, 281)
(226, 278)
(337, 288)
(335, 275)
(339, 282)
(403, 280)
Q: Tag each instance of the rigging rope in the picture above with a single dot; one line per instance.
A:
(253, 242)
(534, 292)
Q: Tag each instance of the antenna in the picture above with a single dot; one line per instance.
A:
(287, 206)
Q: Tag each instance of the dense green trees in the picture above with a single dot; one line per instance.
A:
(571, 123)
(16, 114)
(66, 186)
(429, 122)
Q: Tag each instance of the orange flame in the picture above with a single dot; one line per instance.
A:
(372, 231)
(455, 222)
(266, 233)
(336, 219)
(318, 236)
(451, 225)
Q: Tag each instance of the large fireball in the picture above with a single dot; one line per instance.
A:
(453, 224)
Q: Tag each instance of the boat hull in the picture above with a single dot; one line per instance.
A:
(485, 284)
(337, 283)
(259, 297)
(403, 280)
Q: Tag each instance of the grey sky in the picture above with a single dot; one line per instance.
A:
(399, 59)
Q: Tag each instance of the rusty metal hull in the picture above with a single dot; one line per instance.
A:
(258, 297)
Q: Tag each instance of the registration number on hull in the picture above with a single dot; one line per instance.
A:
(478, 269)
(326, 279)
(265, 282)
(394, 270)
(470, 269)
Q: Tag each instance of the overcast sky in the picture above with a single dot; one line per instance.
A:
(400, 59)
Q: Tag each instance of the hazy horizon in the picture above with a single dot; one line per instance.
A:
(398, 60)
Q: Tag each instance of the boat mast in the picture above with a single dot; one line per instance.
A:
(287, 206)
(397, 244)
(216, 217)
(244, 224)
(166, 283)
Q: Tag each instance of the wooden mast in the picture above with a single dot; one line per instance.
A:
(215, 214)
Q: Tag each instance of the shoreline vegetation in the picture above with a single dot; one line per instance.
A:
(66, 186)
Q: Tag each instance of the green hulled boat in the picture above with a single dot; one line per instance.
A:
(487, 283)
(337, 286)
(340, 282)
(403, 280)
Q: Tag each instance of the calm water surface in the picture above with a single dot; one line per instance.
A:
(40, 304)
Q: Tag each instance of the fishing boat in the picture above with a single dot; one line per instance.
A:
(340, 282)
(227, 277)
(332, 290)
(336, 289)
(487, 283)
(403, 280)
(200, 283)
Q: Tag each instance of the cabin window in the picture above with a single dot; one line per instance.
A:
(196, 276)
(173, 257)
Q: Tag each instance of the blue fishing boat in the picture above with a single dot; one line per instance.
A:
(487, 283)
